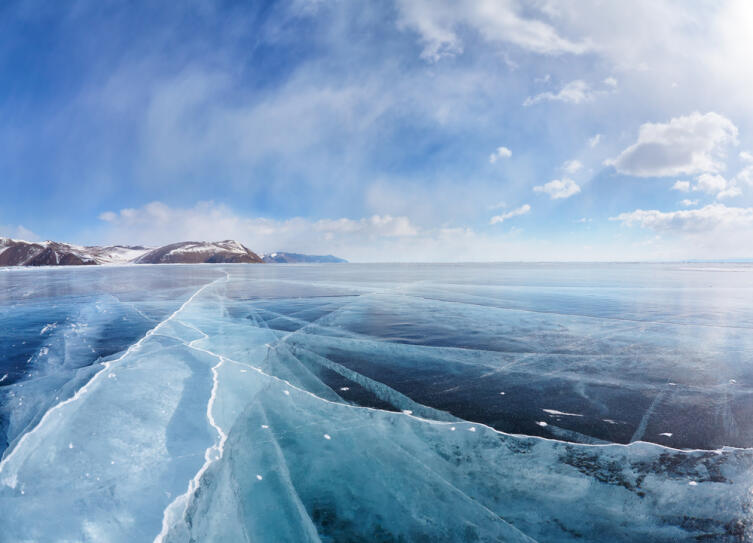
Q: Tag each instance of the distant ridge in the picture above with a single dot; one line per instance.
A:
(297, 258)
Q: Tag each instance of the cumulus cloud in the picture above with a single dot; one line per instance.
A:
(745, 156)
(710, 183)
(691, 144)
(708, 219)
(559, 188)
(594, 141)
(575, 92)
(522, 210)
(572, 166)
(499, 153)
(717, 185)
(610, 82)
(745, 176)
(438, 22)
(687, 202)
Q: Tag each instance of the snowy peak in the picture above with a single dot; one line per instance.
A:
(196, 252)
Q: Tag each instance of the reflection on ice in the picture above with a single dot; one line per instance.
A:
(322, 403)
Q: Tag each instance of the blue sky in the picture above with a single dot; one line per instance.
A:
(405, 130)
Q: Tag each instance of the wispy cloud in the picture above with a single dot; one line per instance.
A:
(517, 212)
(499, 153)
(575, 92)
(559, 188)
(438, 24)
(572, 166)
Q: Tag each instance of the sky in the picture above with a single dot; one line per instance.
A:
(395, 130)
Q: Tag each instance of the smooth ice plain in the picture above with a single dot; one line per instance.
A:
(340, 403)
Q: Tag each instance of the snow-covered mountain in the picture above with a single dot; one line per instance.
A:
(295, 258)
(195, 252)
(51, 253)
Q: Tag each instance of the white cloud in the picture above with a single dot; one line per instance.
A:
(500, 152)
(745, 156)
(572, 166)
(610, 82)
(717, 185)
(376, 225)
(559, 188)
(707, 219)
(710, 183)
(594, 141)
(687, 203)
(691, 144)
(522, 210)
(731, 191)
(438, 22)
(575, 92)
(745, 176)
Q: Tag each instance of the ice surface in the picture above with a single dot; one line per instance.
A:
(377, 403)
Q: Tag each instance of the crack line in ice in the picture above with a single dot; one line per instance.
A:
(452, 424)
(462, 493)
(11, 480)
(647, 415)
(433, 421)
(539, 311)
(213, 452)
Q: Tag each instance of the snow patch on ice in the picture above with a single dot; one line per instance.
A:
(561, 413)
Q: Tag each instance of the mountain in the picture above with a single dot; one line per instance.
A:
(197, 252)
(52, 253)
(296, 258)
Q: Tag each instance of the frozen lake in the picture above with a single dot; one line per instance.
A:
(473, 402)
